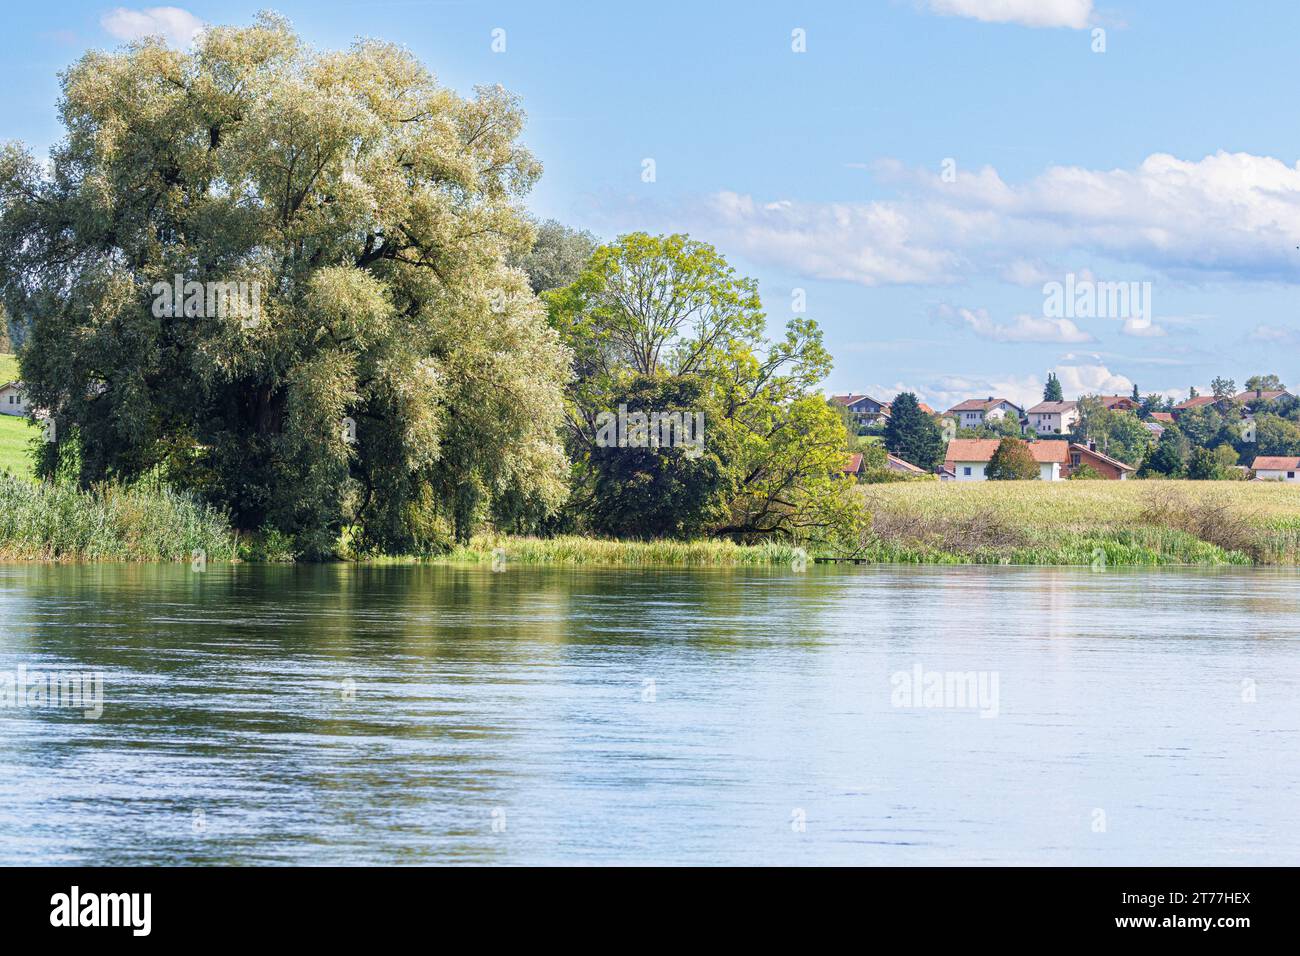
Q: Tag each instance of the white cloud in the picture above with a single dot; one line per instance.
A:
(1079, 380)
(946, 391)
(1227, 216)
(1141, 328)
(1075, 14)
(178, 27)
(1022, 328)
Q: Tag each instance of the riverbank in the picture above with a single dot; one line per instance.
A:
(1025, 523)
(1128, 523)
(573, 550)
(55, 522)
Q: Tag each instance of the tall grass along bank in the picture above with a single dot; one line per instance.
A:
(58, 522)
(574, 550)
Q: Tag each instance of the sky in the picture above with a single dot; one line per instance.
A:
(916, 174)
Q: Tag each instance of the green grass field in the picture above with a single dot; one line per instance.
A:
(1085, 522)
(15, 431)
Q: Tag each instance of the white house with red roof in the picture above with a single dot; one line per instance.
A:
(967, 458)
(1053, 418)
(1276, 468)
(974, 412)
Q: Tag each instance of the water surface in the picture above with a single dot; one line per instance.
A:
(344, 714)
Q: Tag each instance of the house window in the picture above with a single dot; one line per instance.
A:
(966, 470)
(1290, 474)
(1074, 461)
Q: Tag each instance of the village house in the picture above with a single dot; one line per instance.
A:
(1200, 401)
(1262, 396)
(967, 458)
(1110, 468)
(864, 409)
(12, 399)
(894, 463)
(1164, 418)
(1053, 418)
(974, 412)
(856, 466)
(1276, 468)
(1118, 403)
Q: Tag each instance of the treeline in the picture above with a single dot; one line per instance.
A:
(424, 361)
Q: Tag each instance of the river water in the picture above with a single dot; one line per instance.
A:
(850, 715)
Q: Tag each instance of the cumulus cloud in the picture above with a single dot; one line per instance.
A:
(1142, 329)
(1079, 380)
(947, 390)
(1226, 216)
(178, 27)
(1075, 14)
(1022, 328)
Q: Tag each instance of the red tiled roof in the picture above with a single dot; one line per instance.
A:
(1275, 463)
(1162, 416)
(899, 465)
(982, 449)
(1262, 395)
(855, 464)
(1196, 402)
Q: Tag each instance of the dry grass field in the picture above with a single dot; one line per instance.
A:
(1083, 522)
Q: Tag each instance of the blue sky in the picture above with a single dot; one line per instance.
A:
(1169, 158)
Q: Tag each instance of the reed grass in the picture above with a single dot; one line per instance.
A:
(579, 551)
(57, 522)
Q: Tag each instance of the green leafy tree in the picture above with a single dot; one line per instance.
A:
(1227, 459)
(673, 482)
(398, 376)
(558, 256)
(1116, 433)
(1203, 426)
(668, 306)
(1152, 403)
(1223, 388)
(1052, 391)
(912, 435)
(1204, 465)
(1275, 435)
(1264, 383)
(1169, 459)
(1086, 472)
(1013, 461)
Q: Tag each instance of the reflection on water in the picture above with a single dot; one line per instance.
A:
(342, 714)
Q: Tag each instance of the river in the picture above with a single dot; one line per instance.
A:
(341, 714)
